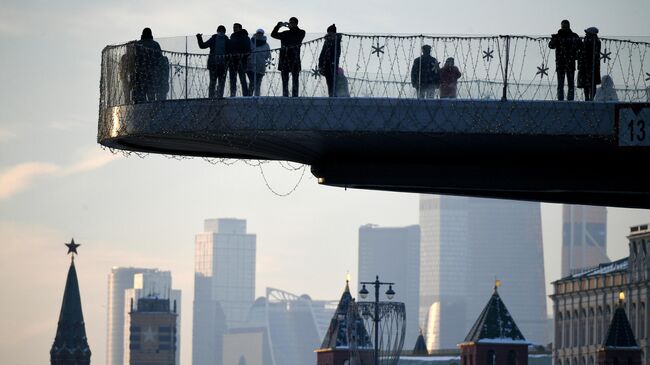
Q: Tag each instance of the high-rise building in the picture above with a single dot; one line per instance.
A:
(152, 332)
(70, 343)
(584, 237)
(224, 285)
(465, 244)
(125, 284)
(152, 283)
(393, 253)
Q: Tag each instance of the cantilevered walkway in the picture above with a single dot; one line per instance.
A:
(504, 135)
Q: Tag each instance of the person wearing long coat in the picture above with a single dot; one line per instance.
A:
(289, 62)
(328, 61)
(589, 64)
(449, 75)
(257, 61)
(147, 66)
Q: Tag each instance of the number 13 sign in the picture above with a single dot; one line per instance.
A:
(633, 123)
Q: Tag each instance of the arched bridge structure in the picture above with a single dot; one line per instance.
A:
(504, 135)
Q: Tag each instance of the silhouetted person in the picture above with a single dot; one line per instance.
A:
(289, 62)
(449, 75)
(148, 59)
(589, 63)
(342, 87)
(328, 61)
(216, 60)
(238, 48)
(606, 90)
(257, 61)
(567, 45)
(425, 74)
(127, 71)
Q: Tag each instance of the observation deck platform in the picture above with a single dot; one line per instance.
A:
(526, 147)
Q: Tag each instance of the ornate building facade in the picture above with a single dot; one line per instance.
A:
(584, 303)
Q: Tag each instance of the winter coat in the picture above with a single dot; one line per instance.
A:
(217, 45)
(239, 43)
(606, 91)
(567, 45)
(290, 41)
(589, 64)
(260, 54)
(328, 61)
(425, 72)
(449, 76)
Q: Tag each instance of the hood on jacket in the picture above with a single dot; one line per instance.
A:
(258, 39)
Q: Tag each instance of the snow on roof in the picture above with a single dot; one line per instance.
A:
(619, 265)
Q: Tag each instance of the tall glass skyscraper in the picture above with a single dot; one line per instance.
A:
(584, 237)
(467, 243)
(224, 285)
(393, 253)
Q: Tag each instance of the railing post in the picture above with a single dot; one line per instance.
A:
(186, 68)
(504, 97)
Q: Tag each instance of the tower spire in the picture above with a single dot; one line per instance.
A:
(70, 343)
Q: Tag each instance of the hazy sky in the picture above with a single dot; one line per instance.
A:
(57, 183)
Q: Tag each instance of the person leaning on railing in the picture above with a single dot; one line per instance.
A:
(216, 60)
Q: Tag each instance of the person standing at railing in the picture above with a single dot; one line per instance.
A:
(449, 75)
(589, 64)
(257, 61)
(425, 74)
(566, 44)
(216, 60)
(148, 58)
(238, 49)
(289, 62)
(328, 61)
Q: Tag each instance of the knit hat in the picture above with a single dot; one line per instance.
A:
(591, 30)
(259, 31)
(331, 28)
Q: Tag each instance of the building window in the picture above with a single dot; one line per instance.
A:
(641, 320)
(558, 331)
(633, 317)
(491, 358)
(567, 329)
(576, 321)
(583, 328)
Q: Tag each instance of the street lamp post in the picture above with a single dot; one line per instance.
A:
(389, 294)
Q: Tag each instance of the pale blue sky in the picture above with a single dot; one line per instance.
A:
(56, 183)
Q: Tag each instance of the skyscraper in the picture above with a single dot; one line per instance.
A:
(152, 283)
(393, 253)
(224, 285)
(124, 284)
(153, 333)
(465, 244)
(584, 237)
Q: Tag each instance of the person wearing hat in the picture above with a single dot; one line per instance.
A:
(589, 64)
(425, 76)
(566, 44)
(149, 63)
(257, 61)
(328, 61)
(216, 60)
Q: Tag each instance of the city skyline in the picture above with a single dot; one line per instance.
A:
(56, 182)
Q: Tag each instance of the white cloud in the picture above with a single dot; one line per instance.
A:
(20, 177)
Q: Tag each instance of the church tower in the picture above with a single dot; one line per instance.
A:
(70, 345)
(620, 346)
(494, 338)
